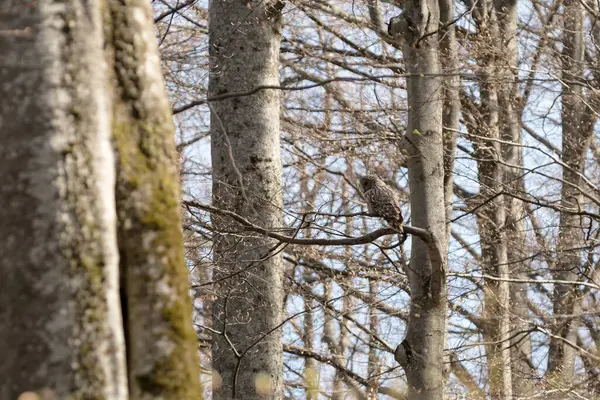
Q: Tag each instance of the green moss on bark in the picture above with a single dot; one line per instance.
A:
(148, 199)
(162, 348)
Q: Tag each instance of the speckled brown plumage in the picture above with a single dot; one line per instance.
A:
(382, 201)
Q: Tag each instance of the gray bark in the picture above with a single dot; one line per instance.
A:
(311, 379)
(336, 346)
(244, 50)
(450, 118)
(492, 116)
(60, 321)
(311, 372)
(421, 352)
(451, 113)
(494, 249)
(510, 132)
(577, 132)
(373, 367)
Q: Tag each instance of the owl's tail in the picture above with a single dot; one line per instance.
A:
(396, 224)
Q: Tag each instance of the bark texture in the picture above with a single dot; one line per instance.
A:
(244, 50)
(522, 371)
(421, 352)
(451, 111)
(577, 130)
(450, 122)
(490, 120)
(60, 322)
(161, 342)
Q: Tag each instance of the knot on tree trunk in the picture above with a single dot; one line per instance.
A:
(403, 354)
(413, 25)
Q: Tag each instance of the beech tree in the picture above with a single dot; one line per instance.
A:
(246, 175)
(494, 132)
(61, 318)
(421, 354)
(78, 78)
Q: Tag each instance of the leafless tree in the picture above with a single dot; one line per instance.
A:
(521, 200)
(246, 171)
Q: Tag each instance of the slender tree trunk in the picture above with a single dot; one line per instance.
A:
(244, 50)
(523, 372)
(60, 322)
(491, 218)
(336, 345)
(494, 257)
(576, 130)
(450, 122)
(311, 371)
(311, 378)
(161, 343)
(421, 352)
(510, 131)
(451, 113)
(373, 368)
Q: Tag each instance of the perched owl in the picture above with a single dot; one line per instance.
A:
(382, 201)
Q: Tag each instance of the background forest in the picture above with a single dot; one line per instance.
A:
(516, 91)
(153, 150)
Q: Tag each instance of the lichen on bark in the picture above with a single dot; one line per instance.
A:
(162, 352)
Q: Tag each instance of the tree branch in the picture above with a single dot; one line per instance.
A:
(351, 241)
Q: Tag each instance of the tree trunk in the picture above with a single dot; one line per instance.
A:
(373, 361)
(486, 124)
(161, 342)
(451, 113)
(577, 132)
(61, 332)
(311, 377)
(522, 376)
(421, 352)
(450, 122)
(337, 345)
(244, 50)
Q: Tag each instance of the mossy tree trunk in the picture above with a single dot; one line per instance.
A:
(60, 319)
(76, 77)
(244, 50)
(162, 351)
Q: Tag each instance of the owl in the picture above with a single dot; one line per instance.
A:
(382, 201)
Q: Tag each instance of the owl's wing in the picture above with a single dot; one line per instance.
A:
(370, 196)
(390, 204)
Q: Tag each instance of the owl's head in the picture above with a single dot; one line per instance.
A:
(367, 182)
